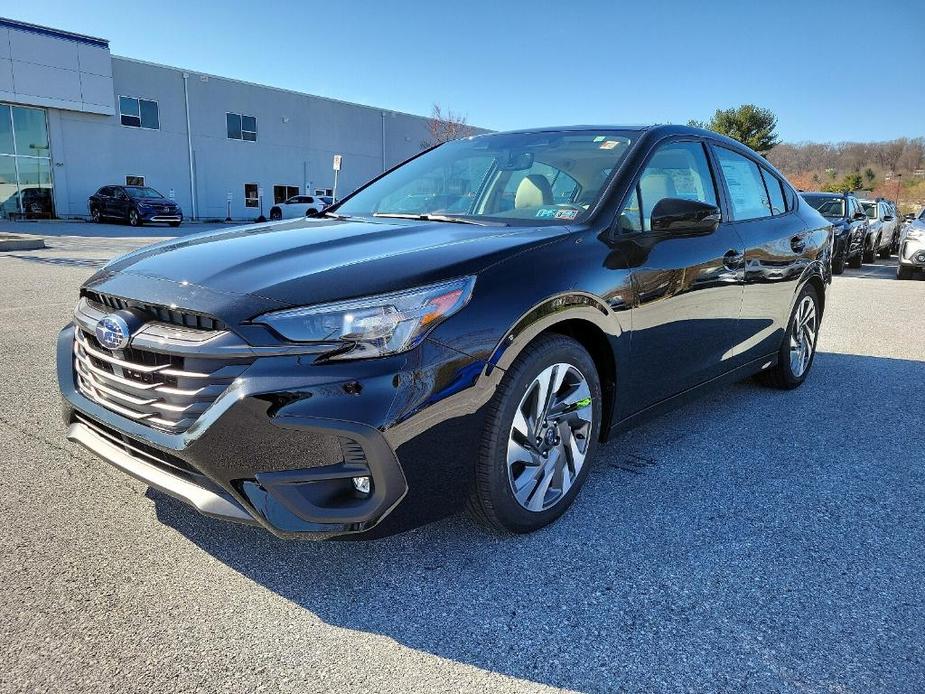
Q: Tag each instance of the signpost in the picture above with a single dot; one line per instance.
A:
(338, 159)
(228, 214)
(261, 218)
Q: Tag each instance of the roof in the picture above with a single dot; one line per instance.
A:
(56, 33)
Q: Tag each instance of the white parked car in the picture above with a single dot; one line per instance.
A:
(883, 231)
(912, 248)
(297, 206)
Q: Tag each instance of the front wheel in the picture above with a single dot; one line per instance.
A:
(174, 224)
(887, 250)
(870, 252)
(904, 273)
(838, 263)
(134, 218)
(798, 348)
(540, 436)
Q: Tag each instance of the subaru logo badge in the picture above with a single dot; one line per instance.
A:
(113, 332)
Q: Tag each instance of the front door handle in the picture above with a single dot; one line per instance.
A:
(798, 244)
(733, 259)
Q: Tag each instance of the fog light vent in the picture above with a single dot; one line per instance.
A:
(362, 484)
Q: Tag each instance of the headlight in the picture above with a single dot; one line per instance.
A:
(915, 234)
(375, 326)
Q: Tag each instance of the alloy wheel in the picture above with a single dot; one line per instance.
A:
(803, 336)
(549, 437)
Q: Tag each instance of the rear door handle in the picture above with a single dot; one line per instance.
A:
(798, 244)
(733, 259)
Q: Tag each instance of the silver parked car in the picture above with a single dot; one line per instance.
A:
(883, 230)
(912, 248)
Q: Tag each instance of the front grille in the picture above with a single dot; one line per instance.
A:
(161, 390)
(164, 314)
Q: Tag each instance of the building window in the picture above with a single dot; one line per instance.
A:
(283, 193)
(250, 195)
(241, 127)
(324, 191)
(134, 180)
(139, 113)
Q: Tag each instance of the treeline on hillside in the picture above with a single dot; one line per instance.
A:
(892, 169)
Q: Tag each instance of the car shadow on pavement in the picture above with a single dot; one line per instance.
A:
(881, 270)
(754, 539)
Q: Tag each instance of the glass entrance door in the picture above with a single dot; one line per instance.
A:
(26, 187)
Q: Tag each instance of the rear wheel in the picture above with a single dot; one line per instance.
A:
(798, 349)
(276, 214)
(95, 214)
(540, 435)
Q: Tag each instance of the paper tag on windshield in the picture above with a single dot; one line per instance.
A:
(609, 144)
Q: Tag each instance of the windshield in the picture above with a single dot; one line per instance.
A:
(870, 208)
(548, 177)
(826, 205)
(143, 193)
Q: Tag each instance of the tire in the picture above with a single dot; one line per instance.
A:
(134, 219)
(174, 224)
(95, 216)
(508, 457)
(838, 263)
(785, 375)
(870, 252)
(855, 261)
(904, 273)
(887, 250)
(276, 214)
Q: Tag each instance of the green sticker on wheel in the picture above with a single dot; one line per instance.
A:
(583, 403)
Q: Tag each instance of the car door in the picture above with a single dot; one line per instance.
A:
(102, 201)
(119, 203)
(688, 286)
(778, 249)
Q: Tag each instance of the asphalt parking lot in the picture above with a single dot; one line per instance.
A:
(755, 540)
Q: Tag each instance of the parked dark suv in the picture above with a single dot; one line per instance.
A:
(133, 204)
(851, 226)
(376, 369)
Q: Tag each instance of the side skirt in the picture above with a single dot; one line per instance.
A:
(685, 396)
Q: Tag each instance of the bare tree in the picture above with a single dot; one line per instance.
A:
(444, 127)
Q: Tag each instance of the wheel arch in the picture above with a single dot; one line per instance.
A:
(583, 317)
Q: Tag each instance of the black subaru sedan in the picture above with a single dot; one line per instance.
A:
(463, 331)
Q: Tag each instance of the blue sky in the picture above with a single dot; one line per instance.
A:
(830, 70)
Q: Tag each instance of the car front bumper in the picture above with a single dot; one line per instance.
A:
(161, 216)
(912, 253)
(281, 445)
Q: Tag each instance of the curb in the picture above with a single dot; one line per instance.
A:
(20, 242)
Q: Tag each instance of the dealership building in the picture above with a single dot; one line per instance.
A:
(73, 118)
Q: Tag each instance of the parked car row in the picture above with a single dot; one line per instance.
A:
(864, 229)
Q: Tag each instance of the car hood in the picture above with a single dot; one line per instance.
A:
(307, 261)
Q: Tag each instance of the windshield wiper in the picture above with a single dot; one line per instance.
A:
(438, 218)
(334, 215)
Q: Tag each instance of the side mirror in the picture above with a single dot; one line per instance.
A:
(910, 217)
(680, 216)
(888, 218)
(859, 216)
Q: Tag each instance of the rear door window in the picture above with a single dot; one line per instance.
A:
(743, 178)
(775, 192)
